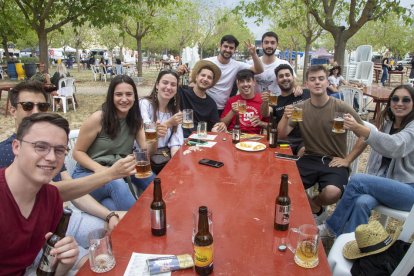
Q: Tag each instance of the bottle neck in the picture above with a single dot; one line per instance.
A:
(237, 119)
(203, 223)
(284, 188)
(63, 225)
(157, 191)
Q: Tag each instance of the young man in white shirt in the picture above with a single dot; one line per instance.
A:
(229, 67)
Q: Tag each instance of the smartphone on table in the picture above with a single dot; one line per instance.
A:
(211, 163)
(286, 156)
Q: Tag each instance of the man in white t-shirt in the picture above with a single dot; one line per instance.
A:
(266, 81)
(229, 68)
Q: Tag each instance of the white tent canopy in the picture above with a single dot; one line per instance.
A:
(68, 49)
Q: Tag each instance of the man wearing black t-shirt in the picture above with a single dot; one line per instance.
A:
(204, 75)
(285, 80)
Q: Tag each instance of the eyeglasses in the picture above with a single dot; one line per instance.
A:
(405, 99)
(43, 148)
(28, 106)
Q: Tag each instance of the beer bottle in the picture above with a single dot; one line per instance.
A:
(282, 206)
(236, 130)
(158, 211)
(48, 262)
(273, 134)
(203, 244)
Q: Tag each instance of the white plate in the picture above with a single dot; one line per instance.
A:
(250, 146)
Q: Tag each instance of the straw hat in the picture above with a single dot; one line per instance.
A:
(371, 239)
(205, 63)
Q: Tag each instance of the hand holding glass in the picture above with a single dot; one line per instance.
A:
(142, 163)
(188, 119)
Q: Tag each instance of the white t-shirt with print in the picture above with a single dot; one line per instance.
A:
(267, 79)
(221, 91)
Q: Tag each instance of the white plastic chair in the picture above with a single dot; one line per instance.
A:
(341, 266)
(350, 71)
(65, 93)
(95, 71)
(364, 53)
(364, 72)
(103, 72)
(350, 93)
(70, 163)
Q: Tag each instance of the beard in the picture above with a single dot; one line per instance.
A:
(269, 54)
(223, 53)
(286, 88)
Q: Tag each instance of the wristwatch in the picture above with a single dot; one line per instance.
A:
(110, 215)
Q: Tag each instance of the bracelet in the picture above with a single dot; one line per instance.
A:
(110, 215)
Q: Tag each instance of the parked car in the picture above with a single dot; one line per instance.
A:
(406, 61)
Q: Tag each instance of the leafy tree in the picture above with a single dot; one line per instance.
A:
(45, 16)
(11, 25)
(342, 18)
(145, 18)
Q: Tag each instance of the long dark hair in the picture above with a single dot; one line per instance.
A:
(387, 113)
(110, 123)
(173, 105)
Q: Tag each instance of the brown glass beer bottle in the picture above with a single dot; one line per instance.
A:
(273, 134)
(236, 130)
(203, 245)
(282, 206)
(158, 211)
(48, 262)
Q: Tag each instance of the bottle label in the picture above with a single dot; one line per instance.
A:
(48, 262)
(157, 219)
(282, 214)
(271, 138)
(236, 135)
(203, 256)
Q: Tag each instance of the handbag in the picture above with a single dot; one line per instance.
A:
(160, 158)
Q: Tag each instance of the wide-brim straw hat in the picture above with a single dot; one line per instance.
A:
(370, 239)
(206, 64)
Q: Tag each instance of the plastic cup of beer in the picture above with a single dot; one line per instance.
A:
(142, 163)
(272, 98)
(338, 123)
(188, 121)
(202, 130)
(242, 106)
(101, 257)
(304, 242)
(297, 114)
(195, 222)
(150, 129)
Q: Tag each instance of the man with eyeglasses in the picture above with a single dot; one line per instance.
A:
(28, 98)
(30, 207)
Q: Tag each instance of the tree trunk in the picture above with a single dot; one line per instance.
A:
(139, 49)
(296, 59)
(306, 59)
(340, 46)
(43, 51)
(5, 47)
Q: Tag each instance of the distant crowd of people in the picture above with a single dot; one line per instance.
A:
(34, 181)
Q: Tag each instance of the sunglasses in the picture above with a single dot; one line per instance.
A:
(28, 106)
(405, 100)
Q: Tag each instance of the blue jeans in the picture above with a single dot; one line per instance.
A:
(114, 195)
(362, 194)
(384, 76)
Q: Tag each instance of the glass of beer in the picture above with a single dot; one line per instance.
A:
(101, 258)
(297, 114)
(272, 98)
(142, 163)
(150, 129)
(338, 123)
(306, 246)
(242, 106)
(188, 121)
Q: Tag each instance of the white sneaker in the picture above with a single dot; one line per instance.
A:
(324, 231)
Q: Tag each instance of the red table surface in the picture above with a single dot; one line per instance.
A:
(242, 196)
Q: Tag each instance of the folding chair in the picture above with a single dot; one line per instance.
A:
(65, 93)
